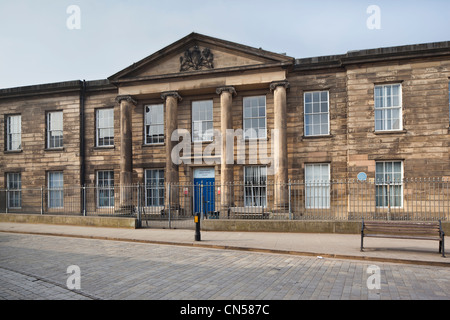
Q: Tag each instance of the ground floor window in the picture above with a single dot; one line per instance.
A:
(255, 180)
(317, 184)
(55, 190)
(105, 189)
(14, 186)
(389, 184)
(154, 188)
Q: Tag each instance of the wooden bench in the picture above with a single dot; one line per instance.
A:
(247, 213)
(404, 230)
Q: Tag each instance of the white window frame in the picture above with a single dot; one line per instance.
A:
(14, 190)
(151, 123)
(317, 189)
(251, 111)
(155, 200)
(385, 106)
(257, 197)
(58, 190)
(383, 182)
(202, 113)
(52, 132)
(99, 129)
(14, 132)
(313, 111)
(105, 188)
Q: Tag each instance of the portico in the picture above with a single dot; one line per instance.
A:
(199, 68)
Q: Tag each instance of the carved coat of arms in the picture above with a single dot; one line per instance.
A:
(196, 59)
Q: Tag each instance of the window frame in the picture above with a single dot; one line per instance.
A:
(97, 128)
(250, 118)
(312, 113)
(211, 121)
(9, 135)
(382, 183)
(14, 192)
(384, 109)
(318, 184)
(108, 188)
(259, 187)
(53, 190)
(148, 123)
(49, 130)
(157, 187)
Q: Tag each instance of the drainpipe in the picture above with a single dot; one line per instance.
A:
(82, 133)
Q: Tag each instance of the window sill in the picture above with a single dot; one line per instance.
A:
(154, 145)
(13, 151)
(105, 148)
(390, 132)
(55, 149)
(318, 137)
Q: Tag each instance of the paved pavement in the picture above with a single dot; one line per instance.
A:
(247, 266)
(306, 244)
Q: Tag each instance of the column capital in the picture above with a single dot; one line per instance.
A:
(174, 94)
(229, 89)
(282, 83)
(127, 98)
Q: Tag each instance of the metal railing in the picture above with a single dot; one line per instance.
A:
(174, 205)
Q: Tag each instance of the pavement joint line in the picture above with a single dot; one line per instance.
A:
(40, 278)
(248, 249)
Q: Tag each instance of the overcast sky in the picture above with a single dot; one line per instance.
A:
(38, 47)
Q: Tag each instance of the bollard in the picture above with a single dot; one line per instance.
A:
(197, 226)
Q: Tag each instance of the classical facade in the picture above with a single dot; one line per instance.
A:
(207, 108)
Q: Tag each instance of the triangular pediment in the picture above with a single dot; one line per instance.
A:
(197, 53)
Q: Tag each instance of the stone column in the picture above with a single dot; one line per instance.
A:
(171, 178)
(126, 150)
(226, 165)
(280, 144)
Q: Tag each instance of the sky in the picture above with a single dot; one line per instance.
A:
(105, 36)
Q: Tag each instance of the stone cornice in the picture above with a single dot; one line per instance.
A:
(229, 89)
(127, 98)
(174, 94)
(282, 83)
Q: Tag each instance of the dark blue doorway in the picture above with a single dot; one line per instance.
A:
(204, 197)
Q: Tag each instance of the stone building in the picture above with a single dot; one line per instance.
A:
(236, 114)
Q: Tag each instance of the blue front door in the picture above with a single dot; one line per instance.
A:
(204, 191)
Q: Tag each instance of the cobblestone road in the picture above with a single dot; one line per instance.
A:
(35, 267)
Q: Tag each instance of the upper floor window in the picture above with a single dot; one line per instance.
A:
(255, 117)
(105, 127)
(388, 107)
(317, 119)
(13, 132)
(202, 120)
(154, 124)
(55, 130)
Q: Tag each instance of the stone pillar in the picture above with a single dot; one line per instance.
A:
(171, 99)
(126, 150)
(280, 144)
(226, 165)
